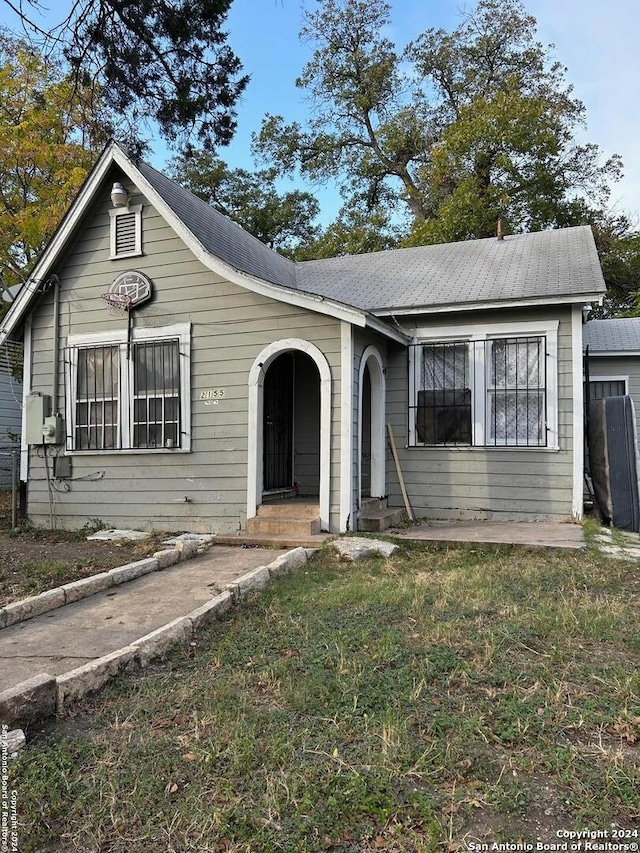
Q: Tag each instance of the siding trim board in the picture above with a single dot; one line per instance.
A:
(346, 428)
(455, 307)
(26, 390)
(577, 509)
(372, 358)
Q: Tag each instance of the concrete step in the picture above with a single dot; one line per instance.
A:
(377, 520)
(368, 505)
(274, 541)
(289, 509)
(278, 526)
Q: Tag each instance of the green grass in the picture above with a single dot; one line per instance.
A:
(449, 693)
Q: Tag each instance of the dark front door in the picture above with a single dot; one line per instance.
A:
(278, 424)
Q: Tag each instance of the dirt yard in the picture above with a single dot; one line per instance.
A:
(33, 560)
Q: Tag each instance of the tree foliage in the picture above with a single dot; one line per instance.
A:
(49, 133)
(165, 60)
(354, 231)
(459, 128)
(282, 221)
(618, 244)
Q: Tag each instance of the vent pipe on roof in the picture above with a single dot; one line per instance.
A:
(499, 233)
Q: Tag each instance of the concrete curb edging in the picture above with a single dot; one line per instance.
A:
(44, 695)
(29, 701)
(52, 599)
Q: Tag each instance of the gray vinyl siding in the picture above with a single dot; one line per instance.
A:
(10, 423)
(485, 483)
(624, 367)
(206, 489)
(10, 411)
(10, 414)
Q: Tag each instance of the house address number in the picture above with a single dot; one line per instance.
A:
(213, 394)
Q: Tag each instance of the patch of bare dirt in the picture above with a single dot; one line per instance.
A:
(34, 560)
(532, 812)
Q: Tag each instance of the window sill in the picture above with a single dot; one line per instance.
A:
(126, 255)
(475, 448)
(130, 451)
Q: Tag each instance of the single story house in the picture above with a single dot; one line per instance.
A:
(614, 359)
(180, 375)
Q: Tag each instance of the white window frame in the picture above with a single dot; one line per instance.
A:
(181, 332)
(479, 379)
(114, 214)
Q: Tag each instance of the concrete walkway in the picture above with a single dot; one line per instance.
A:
(533, 534)
(76, 634)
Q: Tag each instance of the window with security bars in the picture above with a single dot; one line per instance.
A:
(516, 391)
(96, 410)
(443, 414)
(129, 395)
(490, 393)
(156, 394)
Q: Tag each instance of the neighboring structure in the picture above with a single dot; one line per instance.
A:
(614, 359)
(10, 410)
(233, 375)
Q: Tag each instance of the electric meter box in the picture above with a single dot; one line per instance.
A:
(52, 429)
(37, 408)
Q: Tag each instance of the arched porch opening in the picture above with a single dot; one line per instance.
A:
(289, 424)
(371, 426)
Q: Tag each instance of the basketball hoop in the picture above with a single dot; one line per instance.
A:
(118, 304)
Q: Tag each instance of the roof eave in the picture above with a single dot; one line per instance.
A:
(619, 353)
(114, 154)
(457, 307)
(225, 270)
(43, 268)
(388, 331)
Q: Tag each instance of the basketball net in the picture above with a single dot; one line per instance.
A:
(118, 304)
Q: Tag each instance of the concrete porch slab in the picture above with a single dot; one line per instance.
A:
(532, 534)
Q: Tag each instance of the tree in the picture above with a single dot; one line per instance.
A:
(365, 128)
(480, 127)
(282, 221)
(166, 60)
(49, 133)
(355, 230)
(618, 244)
(508, 121)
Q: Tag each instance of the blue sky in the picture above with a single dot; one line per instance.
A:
(596, 40)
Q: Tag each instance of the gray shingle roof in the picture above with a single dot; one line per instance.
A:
(612, 335)
(219, 235)
(544, 264)
(523, 266)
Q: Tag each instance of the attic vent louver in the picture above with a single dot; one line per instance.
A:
(126, 232)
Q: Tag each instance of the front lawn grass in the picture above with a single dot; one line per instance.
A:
(448, 694)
